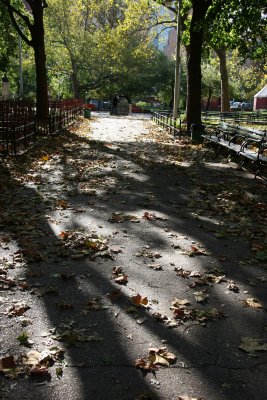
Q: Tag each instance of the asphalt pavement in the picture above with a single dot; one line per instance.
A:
(132, 266)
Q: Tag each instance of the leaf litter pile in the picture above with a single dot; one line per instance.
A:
(45, 247)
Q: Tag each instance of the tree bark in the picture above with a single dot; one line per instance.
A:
(225, 92)
(75, 81)
(208, 101)
(38, 44)
(193, 108)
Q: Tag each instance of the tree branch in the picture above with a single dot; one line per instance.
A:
(12, 10)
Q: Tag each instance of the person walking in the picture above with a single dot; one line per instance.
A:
(114, 105)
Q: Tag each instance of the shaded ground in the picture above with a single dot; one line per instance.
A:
(113, 209)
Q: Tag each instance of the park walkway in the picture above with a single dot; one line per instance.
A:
(132, 267)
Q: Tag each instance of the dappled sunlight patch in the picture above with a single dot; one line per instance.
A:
(161, 234)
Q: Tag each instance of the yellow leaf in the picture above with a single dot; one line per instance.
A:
(252, 302)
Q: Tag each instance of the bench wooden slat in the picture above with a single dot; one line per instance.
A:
(247, 143)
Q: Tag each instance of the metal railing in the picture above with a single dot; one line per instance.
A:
(166, 121)
(21, 129)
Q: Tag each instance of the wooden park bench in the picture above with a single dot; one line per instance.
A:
(247, 144)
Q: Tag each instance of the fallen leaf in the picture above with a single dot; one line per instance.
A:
(180, 302)
(120, 217)
(155, 267)
(118, 276)
(251, 345)
(8, 362)
(17, 310)
(138, 300)
(252, 302)
(32, 358)
(149, 216)
(62, 204)
(161, 356)
(114, 295)
(182, 272)
(201, 296)
(121, 279)
(45, 158)
(189, 398)
(145, 364)
(64, 235)
(157, 359)
(233, 287)
(95, 304)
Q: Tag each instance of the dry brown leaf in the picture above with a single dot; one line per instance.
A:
(180, 302)
(145, 365)
(189, 398)
(182, 272)
(17, 310)
(138, 300)
(161, 356)
(121, 279)
(114, 295)
(252, 302)
(149, 216)
(7, 362)
(201, 296)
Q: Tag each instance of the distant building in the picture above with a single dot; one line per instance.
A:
(170, 48)
(260, 99)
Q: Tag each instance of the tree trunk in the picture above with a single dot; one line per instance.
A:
(36, 28)
(208, 101)
(225, 92)
(38, 45)
(75, 83)
(200, 8)
(42, 104)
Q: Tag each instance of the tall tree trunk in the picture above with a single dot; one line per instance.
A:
(193, 116)
(42, 104)
(208, 101)
(75, 82)
(225, 92)
(36, 28)
(38, 45)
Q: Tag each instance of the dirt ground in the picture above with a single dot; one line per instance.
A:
(132, 267)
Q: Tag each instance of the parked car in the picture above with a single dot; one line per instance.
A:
(236, 106)
(246, 106)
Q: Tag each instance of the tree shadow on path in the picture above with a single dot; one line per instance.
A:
(209, 361)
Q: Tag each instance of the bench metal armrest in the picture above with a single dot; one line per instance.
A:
(237, 135)
(249, 141)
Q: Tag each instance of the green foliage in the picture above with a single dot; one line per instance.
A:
(101, 47)
(238, 25)
(210, 79)
(8, 39)
(245, 78)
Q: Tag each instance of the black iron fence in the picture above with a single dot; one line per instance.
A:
(20, 128)
(166, 121)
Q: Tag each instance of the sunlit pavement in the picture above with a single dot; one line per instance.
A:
(119, 243)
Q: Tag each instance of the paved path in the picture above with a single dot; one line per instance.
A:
(109, 128)
(119, 241)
